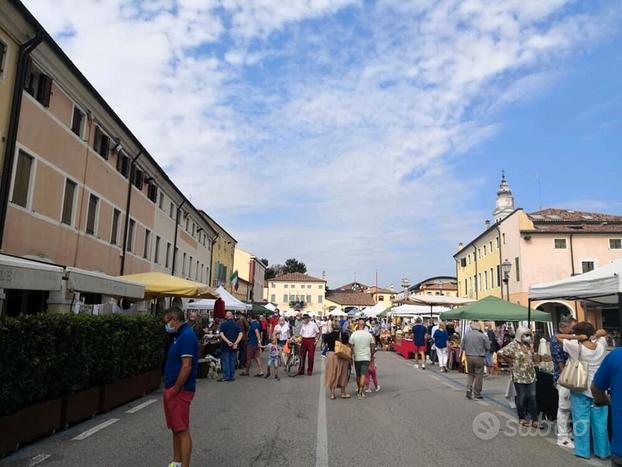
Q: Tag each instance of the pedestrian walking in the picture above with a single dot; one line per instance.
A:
(440, 338)
(494, 347)
(519, 353)
(253, 349)
(263, 322)
(337, 369)
(273, 358)
(419, 333)
(559, 357)
(372, 375)
(281, 332)
(363, 349)
(230, 335)
(180, 373)
(326, 329)
(588, 420)
(475, 345)
(244, 326)
(309, 333)
(608, 377)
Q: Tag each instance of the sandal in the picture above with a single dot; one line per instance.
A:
(524, 423)
(536, 425)
(333, 397)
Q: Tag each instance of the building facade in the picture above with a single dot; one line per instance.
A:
(344, 301)
(542, 246)
(297, 290)
(438, 285)
(251, 270)
(9, 49)
(223, 250)
(83, 191)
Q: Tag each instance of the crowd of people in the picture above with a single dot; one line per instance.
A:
(350, 344)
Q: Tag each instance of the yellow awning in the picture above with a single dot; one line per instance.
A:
(158, 284)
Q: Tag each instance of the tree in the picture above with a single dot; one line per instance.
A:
(293, 265)
(264, 261)
(274, 271)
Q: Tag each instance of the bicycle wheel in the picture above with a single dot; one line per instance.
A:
(293, 366)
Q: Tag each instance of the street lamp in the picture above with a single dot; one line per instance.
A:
(506, 267)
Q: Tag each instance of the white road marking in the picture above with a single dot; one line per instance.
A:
(321, 450)
(95, 429)
(141, 406)
(38, 459)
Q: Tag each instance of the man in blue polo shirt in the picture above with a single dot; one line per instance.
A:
(180, 373)
(419, 333)
(230, 335)
(609, 377)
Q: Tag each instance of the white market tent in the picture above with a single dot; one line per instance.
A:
(439, 300)
(602, 286)
(231, 303)
(373, 311)
(336, 312)
(417, 310)
(270, 306)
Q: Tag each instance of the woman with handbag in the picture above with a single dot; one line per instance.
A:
(586, 349)
(337, 365)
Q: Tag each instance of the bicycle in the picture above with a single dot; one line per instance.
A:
(293, 360)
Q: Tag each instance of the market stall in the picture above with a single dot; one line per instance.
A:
(158, 284)
(207, 304)
(600, 288)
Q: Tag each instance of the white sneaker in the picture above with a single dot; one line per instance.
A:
(416, 365)
(377, 388)
(565, 443)
(367, 390)
(423, 367)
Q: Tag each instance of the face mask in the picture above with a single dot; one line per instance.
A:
(526, 339)
(170, 329)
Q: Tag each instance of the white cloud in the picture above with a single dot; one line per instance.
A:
(313, 136)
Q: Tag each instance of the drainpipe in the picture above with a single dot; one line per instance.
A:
(127, 209)
(11, 139)
(211, 260)
(175, 238)
(572, 269)
(500, 261)
(476, 277)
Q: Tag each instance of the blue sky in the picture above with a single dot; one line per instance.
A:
(362, 135)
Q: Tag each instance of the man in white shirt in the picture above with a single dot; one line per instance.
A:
(363, 349)
(326, 327)
(281, 331)
(309, 333)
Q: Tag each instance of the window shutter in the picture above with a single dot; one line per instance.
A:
(45, 90)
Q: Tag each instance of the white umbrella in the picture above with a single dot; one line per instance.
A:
(337, 313)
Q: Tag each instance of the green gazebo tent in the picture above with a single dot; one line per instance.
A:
(494, 309)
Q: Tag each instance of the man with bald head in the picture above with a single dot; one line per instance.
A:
(230, 335)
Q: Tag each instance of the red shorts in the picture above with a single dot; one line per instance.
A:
(421, 348)
(177, 410)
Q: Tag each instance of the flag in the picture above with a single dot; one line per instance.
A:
(234, 280)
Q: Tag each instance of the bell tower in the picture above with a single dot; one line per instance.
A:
(505, 200)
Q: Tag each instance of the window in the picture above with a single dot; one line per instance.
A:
(490, 244)
(183, 266)
(196, 275)
(463, 262)
(499, 275)
(187, 225)
(168, 254)
(116, 215)
(193, 228)
(484, 250)
(21, 185)
(101, 143)
(138, 179)
(587, 266)
(320, 298)
(77, 121)
(130, 235)
(560, 243)
(39, 85)
(503, 235)
(380, 298)
(273, 298)
(272, 284)
(466, 288)
(293, 286)
(469, 258)
(308, 298)
(286, 286)
(479, 253)
(190, 267)
(123, 165)
(615, 243)
(517, 264)
(156, 257)
(91, 218)
(146, 246)
(161, 202)
(284, 298)
(3, 49)
(171, 211)
(320, 286)
(485, 280)
(497, 240)
(68, 200)
(492, 279)
(152, 192)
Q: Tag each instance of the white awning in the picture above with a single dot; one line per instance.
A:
(20, 273)
(80, 280)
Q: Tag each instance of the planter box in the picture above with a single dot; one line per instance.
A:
(118, 393)
(29, 424)
(80, 406)
(154, 379)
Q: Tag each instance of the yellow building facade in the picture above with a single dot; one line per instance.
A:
(223, 252)
(9, 50)
(297, 288)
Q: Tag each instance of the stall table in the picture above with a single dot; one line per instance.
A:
(404, 347)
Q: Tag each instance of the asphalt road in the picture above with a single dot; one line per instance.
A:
(418, 418)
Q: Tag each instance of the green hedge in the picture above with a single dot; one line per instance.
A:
(46, 356)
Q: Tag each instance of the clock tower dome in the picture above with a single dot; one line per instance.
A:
(505, 200)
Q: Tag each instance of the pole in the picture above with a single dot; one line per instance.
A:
(529, 313)
(177, 214)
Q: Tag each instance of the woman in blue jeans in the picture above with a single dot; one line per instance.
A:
(589, 421)
(520, 354)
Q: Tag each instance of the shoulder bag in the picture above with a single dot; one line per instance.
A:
(574, 374)
(342, 350)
